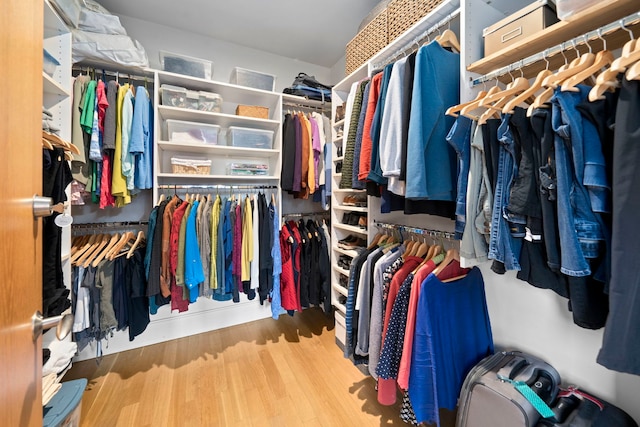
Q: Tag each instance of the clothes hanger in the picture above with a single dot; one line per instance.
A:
(423, 248)
(114, 239)
(97, 241)
(474, 105)
(603, 59)
(546, 95)
(126, 237)
(537, 85)
(100, 244)
(449, 39)
(139, 239)
(84, 248)
(584, 62)
(453, 110)
(451, 255)
(498, 99)
(608, 79)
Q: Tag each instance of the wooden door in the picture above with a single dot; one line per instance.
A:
(21, 32)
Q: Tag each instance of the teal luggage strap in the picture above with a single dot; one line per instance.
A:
(523, 388)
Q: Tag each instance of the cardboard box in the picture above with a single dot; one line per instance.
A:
(522, 24)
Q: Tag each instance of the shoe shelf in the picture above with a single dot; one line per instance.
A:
(338, 159)
(338, 123)
(346, 252)
(342, 271)
(351, 208)
(351, 229)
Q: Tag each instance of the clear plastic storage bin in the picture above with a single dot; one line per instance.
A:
(568, 8)
(176, 96)
(254, 79)
(209, 101)
(182, 64)
(192, 132)
(248, 168)
(250, 138)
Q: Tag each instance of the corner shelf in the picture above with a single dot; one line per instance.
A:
(52, 87)
(599, 14)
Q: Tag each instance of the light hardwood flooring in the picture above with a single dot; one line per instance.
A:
(285, 372)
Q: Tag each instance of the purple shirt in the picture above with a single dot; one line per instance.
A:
(315, 138)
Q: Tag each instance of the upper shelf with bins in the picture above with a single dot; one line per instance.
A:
(589, 19)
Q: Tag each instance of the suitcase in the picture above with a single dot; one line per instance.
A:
(576, 408)
(489, 399)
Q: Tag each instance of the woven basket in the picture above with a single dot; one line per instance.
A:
(402, 14)
(367, 42)
(252, 111)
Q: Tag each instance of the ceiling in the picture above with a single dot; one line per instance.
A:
(311, 31)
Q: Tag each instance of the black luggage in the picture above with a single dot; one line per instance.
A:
(576, 408)
(490, 395)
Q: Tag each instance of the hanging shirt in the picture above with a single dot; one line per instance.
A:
(247, 240)
(193, 274)
(141, 137)
(306, 154)
(276, 301)
(167, 219)
(288, 153)
(127, 126)
(109, 136)
(215, 221)
(204, 242)
(255, 263)
(79, 167)
(365, 147)
(288, 291)
(297, 167)
(118, 180)
(178, 300)
(319, 149)
(182, 233)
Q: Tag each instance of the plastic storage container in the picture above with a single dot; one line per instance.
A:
(248, 168)
(176, 96)
(63, 410)
(209, 101)
(254, 79)
(49, 63)
(190, 166)
(182, 64)
(192, 132)
(568, 8)
(250, 138)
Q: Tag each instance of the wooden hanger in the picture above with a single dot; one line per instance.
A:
(474, 105)
(603, 59)
(120, 245)
(375, 240)
(139, 239)
(608, 79)
(423, 249)
(114, 239)
(547, 94)
(449, 39)
(47, 144)
(104, 240)
(95, 244)
(517, 86)
(537, 84)
(452, 254)
(581, 63)
(633, 72)
(87, 244)
(453, 110)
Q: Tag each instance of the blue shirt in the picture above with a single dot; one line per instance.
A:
(193, 273)
(431, 162)
(140, 141)
(276, 301)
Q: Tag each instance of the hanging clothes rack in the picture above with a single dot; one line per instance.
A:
(582, 40)
(309, 214)
(217, 187)
(416, 42)
(78, 69)
(108, 225)
(304, 103)
(415, 230)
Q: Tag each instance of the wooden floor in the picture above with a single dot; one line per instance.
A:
(285, 372)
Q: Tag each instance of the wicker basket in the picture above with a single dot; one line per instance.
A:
(252, 111)
(402, 14)
(367, 42)
(190, 166)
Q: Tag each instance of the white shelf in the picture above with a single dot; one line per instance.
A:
(222, 150)
(341, 290)
(53, 24)
(340, 307)
(346, 252)
(338, 140)
(52, 87)
(338, 123)
(220, 119)
(338, 159)
(351, 208)
(351, 229)
(347, 190)
(337, 175)
(341, 270)
(218, 177)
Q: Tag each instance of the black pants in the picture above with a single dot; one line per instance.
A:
(621, 344)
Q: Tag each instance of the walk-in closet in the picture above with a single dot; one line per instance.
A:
(396, 212)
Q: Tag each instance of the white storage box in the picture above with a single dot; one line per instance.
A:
(190, 166)
(209, 101)
(250, 138)
(192, 132)
(182, 64)
(248, 168)
(568, 8)
(50, 63)
(254, 79)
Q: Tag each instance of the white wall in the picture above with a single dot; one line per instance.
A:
(338, 70)
(225, 55)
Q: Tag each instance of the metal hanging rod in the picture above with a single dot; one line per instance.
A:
(217, 187)
(120, 224)
(415, 230)
(77, 69)
(306, 107)
(302, 215)
(414, 44)
(620, 24)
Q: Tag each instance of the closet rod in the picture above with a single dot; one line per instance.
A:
(415, 230)
(302, 215)
(620, 24)
(414, 44)
(117, 74)
(98, 225)
(217, 186)
(308, 107)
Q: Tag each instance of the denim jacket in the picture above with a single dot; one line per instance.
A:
(580, 230)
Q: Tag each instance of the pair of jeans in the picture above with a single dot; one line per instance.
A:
(459, 138)
(503, 245)
(580, 230)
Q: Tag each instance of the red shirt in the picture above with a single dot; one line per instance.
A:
(178, 302)
(288, 292)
